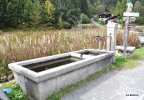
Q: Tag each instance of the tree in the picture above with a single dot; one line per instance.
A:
(140, 9)
(92, 2)
(3, 13)
(32, 12)
(49, 7)
(66, 13)
(36, 15)
(59, 13)
(92, 10)
(120, 8)
(85, 19)
(84, 6)
(100, 8)
(137, 6)
(11, 13)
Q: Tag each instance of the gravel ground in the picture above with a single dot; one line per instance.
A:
(114, 85)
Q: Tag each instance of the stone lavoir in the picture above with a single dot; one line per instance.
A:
(41, 77)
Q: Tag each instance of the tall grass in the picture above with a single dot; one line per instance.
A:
(23, 45)
(132, 41)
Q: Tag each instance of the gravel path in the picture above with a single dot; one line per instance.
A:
(114, 85)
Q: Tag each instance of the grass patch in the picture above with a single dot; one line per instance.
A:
(122, 63)
(139, 54)
(132, 62)
(17, 93)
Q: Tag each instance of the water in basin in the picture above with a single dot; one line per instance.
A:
(41, 66)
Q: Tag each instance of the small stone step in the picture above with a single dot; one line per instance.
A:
(128, 49)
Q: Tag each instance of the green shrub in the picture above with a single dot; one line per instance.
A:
(85, 18)
(65, 25)
(140, 20)
(119, 62)
(96, 18)
(17, 93)
(102, 22)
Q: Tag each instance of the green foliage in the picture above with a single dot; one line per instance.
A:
(120, 8)
(122, 63)
(66, 14)
(49, 7)
(140, 20)
(32, 12)
(102, 22)
(138, 7)
(92, 10)
(11, 12)
(21, 13)
(119, 62)
(100, 8)
(85, 18)
(49, 14)
(65, 25)
(16, 93)
(84, 6)
(139, 54)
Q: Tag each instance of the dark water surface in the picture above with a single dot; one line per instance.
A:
(38, 67)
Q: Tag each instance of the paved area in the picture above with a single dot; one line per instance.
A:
(114, 85)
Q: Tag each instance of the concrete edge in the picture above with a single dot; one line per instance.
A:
(37, 77)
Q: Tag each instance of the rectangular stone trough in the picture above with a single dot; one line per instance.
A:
(41, 77)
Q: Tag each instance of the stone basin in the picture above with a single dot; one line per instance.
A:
(41, 77)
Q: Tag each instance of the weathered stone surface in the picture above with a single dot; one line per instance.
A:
(129, 50)
(40, 85)
(111, 35)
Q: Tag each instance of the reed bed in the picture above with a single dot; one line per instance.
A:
(24, 45)
(133, 39)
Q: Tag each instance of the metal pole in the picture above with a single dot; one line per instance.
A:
(126, 35)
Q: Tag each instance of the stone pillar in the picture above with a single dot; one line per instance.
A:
(111, 35)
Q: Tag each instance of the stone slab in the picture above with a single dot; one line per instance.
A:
(129, 48)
